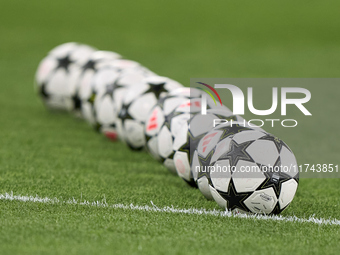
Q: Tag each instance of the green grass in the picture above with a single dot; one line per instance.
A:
(55, 155)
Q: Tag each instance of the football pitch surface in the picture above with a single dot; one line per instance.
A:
(60, 158)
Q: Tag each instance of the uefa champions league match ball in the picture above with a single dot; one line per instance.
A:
(250, 171)
(53, 79)
(137, 103)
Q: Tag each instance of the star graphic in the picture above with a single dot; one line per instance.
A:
(274, 177)
(89, 65)
(43, 92)
(235, 199)
(278, 143)
(124, 113)
(76, 102)
(204, 164)
(109, 90)
(64, 63)
(157, 89)
(237, 152)
(232, 130)
(191, 144)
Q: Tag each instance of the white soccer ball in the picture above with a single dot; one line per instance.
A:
(192, 131)
(82, 77)
(137, 103)
(253, 172)
(159, 115)
(53, 79)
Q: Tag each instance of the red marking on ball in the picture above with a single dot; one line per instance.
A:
(152, 121)
(180, 166)
(111, 135)
(207, 139)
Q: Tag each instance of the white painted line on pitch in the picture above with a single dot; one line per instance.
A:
(167, 209)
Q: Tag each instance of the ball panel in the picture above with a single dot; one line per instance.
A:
(247, 181)
(262, 201)
(220, 180)
(135, 132)
(203, 185)
(170, 165)
(164, 142)
(218, 198)
(220, 149)
(105, 111)
(152, 145)
(250, 135)
(288, 190)
(141, 106)
(288, 160)
(154, 121)
(263, 152)
(182, 165)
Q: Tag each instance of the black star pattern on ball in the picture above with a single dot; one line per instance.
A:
(43, 92)
(76, 102)
(204, 166)
(237, 152)
(234, 199)
(64, 63)
(124, 113)
(90, 65)
(109, 90)
(117, 83)
(157, 89)
(232, 130)
(278, 143)
(191, 144)
(274, 177)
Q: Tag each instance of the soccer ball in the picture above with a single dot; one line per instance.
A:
(159, 114)
(207, 150)
(254, 172)
(53, 79)
(82, 76)
(193, 130)
(103, 80)
(137, 103)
